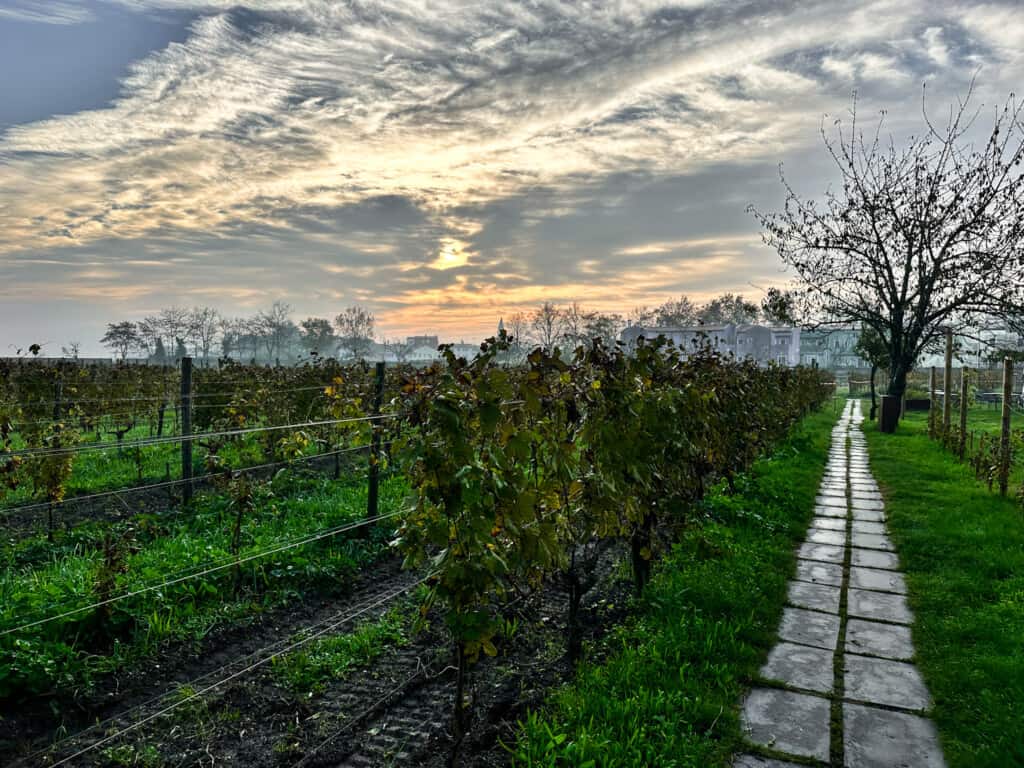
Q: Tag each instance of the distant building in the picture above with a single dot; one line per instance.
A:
(833, 347)
(764, 344)
(422, 341)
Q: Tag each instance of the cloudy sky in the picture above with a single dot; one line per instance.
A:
(443, 162)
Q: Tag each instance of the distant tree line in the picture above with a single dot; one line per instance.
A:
(270, 335)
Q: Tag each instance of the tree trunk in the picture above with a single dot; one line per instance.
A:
(640, 544)
(898, 371)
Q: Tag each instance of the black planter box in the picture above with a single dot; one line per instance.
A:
(919, 404)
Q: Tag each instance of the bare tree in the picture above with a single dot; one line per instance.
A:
(677, 312)
(546, 325)
(400, 348)
(275, 328)
(149, 333)
(120, 338)
(355, 331)
(173, 324)
(72, 349)
(518, 329)
(204, 324)
(916, 238)
(575, 321)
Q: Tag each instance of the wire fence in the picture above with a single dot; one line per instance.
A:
(194, 436)
(191, 573)
(199, 689)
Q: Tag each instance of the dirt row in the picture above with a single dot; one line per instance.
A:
(393, 711)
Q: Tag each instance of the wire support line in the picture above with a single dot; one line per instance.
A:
(232, 563)
(148, 442)
(349, 617)
(182, 481)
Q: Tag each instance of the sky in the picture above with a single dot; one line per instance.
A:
(441, 162)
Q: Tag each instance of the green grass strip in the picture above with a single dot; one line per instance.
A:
(963, 550)
(669, 693)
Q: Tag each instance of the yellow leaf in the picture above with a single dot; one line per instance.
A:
(489, 648)
(595, 384)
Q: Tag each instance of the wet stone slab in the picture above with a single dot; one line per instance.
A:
(873, 638)
(880, 606)
(800, 667)
(820, 630)
(826, 500)
(872, 541)
(878, 580)
(829, 523)
(794, 723)
(873, 558)
(839, 512)
(867, 526)
(825, 552)
(877, 738)
(816, 597)
(884, 681)
(834, 537)
(819, 573)
(867, 504)
(869, 515)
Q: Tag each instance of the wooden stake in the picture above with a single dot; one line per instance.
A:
(186, 429)
(1004, 440)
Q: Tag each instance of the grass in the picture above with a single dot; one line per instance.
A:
(669, 693)
(963, 550)
(69, 653)
(306, 672)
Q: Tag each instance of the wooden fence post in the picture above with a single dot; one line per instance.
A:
(374, 488)
(947, 387)
(931, 405)
(1004, 441)
(962, 448)
(186, 429)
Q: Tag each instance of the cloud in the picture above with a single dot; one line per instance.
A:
(45, 12)
(453, 155)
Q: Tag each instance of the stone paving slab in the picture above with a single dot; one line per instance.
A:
(890, 641)
(878, 738)
(825, 552)
(867, 526)
(820, 630)
(878, 580)
(825, 500)
(874, 558)
(870, 515)
(872, 541)
(880, 606)
(815, 597)
(791, 713)
(819, 573)
(884, 681)
(819, 536)
(839, 512)
(794, 723)
(800, 666)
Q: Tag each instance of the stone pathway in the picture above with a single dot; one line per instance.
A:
(839, 689)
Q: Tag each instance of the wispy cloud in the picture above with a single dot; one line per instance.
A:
(418, 150)
(44, 12)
